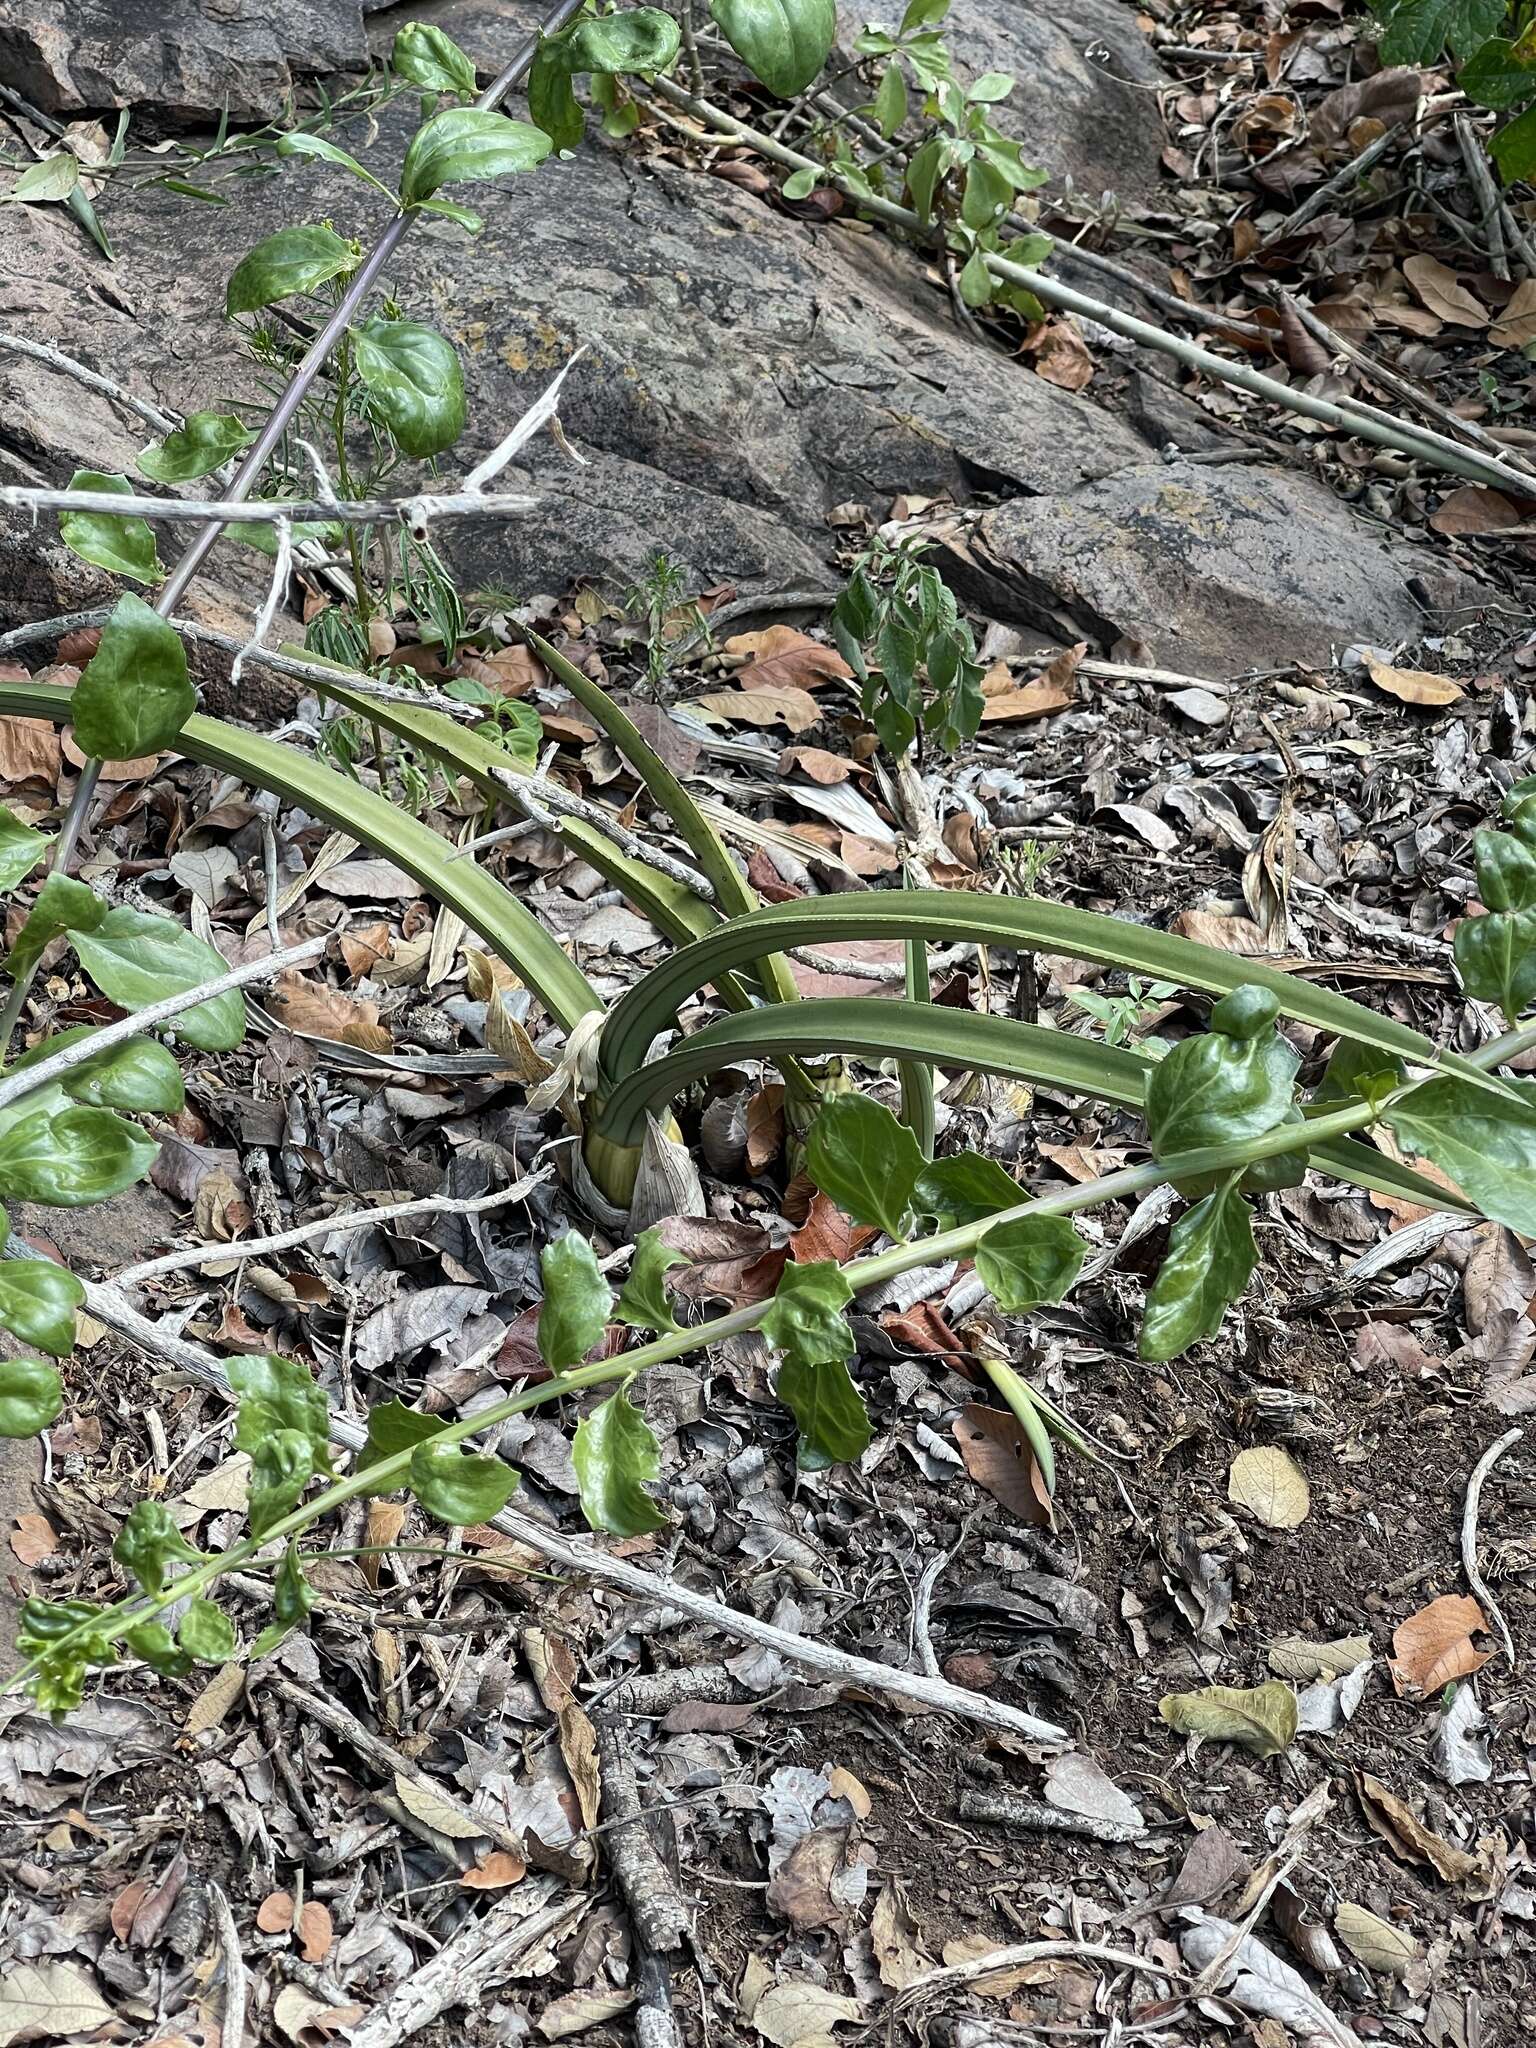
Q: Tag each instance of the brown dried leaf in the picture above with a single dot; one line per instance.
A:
(1516, 325)
(1210, 928)
(1435, 1645)
(32, 1540)
(1062, 357)
(1034, 700)
(1377, 1943)
(1271, 1485)
(782, 656)
(315, 1932)
(778, 704)
(828, 1234)
(1413, 685)
(1407, 1836)
(30, 750)
(494, 1872)
(1471, 510)
(816, 764)
(275, 1913)
(311, 1007)
(1443, 292)
(998, 1457)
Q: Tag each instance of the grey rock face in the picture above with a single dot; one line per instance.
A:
(180, 60)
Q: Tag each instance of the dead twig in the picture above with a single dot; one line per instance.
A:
(1002, 1809)
(1025, 1952)
(1469, 1565)
(232, 2022)
(1472, 155)
(416, 513)
(655, 1905)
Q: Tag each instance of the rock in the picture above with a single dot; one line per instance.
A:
(1216, 569)
(1090, 119)
(178, 60)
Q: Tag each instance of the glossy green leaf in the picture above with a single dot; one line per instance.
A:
(148, 1542)
(1496, 958)
(201, 444)
(1506, 866)
(282, 1465)
(20, 849)
(51, 177)
(784, 43)
(136, 959)
(292, 1594)
(71, 1157)
(206, 1633)
(1030, 1260)
(865, 1160)
(61, 905)
(37, 1304)
(460, 1487)
(801, 184)
(462, 216)
(124, 545)
(616, 1457)
(462, 144)
(807, 1320)
(414, 383)
(59, 1682)
(637, 40)
(975, 280)
(1419, 31)
(1485, 1142)
(287, 264)
(1210, 1260)
(140, 1074)
(430, 58)
(31, 1396)
(1358, 1071)
(890, 103)
(278, 1393)
(1233, 1082)
(1513, 148)
(924, 171)
(153, 1642)
(393, 1428)
(577, 1302)
(643, 1303)
(1496, 75)
(134, 696)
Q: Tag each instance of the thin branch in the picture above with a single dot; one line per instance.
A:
(15, 1085)
(282, 570)
(1470, 144)
(416, 513)
(544, 409)
(327, 1226)
(1317, 202)
(1369, 425)
(1475, 1579)
(55, 358)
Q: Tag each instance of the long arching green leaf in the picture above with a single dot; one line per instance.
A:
(874, 1028)
(1021, 923)
(485, 904)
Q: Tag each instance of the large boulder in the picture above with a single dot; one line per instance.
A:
(178, 60)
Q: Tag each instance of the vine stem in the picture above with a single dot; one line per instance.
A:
(384, 1474)
(63, 854)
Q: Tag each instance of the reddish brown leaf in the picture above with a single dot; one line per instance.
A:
(275, 1913)
(781, 657)
(998, 1458)
(1062, 357)
(494, 1872)
(1435, 1645)
(321, 1012)
(817, 764)
(33, 1539)
(1471, 510)
(314, 1932)
(828, 1234)
(765, 1126)
(923, 1327)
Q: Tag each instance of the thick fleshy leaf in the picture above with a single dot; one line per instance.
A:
(153, 1642)
(20, 849)
(206, 1633)
(1496, 957)
(278, 1393)
(1506, 864)
(414, 381)
(31, 1395)
(1419, 31)
(147, 1543)
(37, 1304)
(829, 1410)
(292, 1594)
(784, 43)
(869, 1163)
(462, 144)
(140, 1074)
(59, 1682)
(61, 905)
(577, 1302)
(1485, 1141)
(460, 1487)
(134, 696)
(430, 58)
(636, 40)
(303, 143)
(807, 1317)
(67, 1158)
(201, 444)
(293, 261)
(124, 545)
(1210, 1260)
(1031, 1260)
(393, 1428)
(964, 1188)
(616, 1456)
(282, 1465)
(1496, 76)
(136, 959)
(643, 1303)
(1233, 1082)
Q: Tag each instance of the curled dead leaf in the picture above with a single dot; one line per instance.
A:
(1414, 685)
(1435, 1645)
